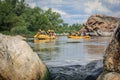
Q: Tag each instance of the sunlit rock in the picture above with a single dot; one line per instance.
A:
(109, 76)
(18, 61)
(101, 25)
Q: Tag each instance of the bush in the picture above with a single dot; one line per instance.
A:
(19, 30)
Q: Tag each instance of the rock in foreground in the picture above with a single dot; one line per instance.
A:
(18, 61)
(112, 58)
(109, 76)
(76, 72)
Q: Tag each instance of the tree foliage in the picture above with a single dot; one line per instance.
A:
(16, 17)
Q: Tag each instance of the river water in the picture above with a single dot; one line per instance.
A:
(66, 51)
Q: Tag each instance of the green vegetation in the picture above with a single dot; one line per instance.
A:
(47, 75)
(16, 17)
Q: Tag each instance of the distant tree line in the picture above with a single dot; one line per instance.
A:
(16, 17)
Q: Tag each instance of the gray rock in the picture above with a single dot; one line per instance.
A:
(76, 72)
(94, 75)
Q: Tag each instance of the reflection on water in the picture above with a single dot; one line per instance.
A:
(66, 51)
(95, 49)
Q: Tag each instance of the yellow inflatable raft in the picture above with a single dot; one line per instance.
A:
(79, 37)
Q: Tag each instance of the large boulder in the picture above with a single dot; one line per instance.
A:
(112, 58)
(101, 25)
(18, 61)
(112, 53)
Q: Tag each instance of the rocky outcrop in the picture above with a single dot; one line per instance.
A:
(101, 25)
(18, 61)
(112, 58)
(76, 72)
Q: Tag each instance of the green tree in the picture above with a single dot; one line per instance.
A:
(8, 18)
(16, 17)
(54, 19)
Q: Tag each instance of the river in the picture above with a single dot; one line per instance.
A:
(66, 51)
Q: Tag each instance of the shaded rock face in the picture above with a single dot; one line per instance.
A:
(101, 24)
(112, 53)
(18, 61)
(112, 58)
(76, 72)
